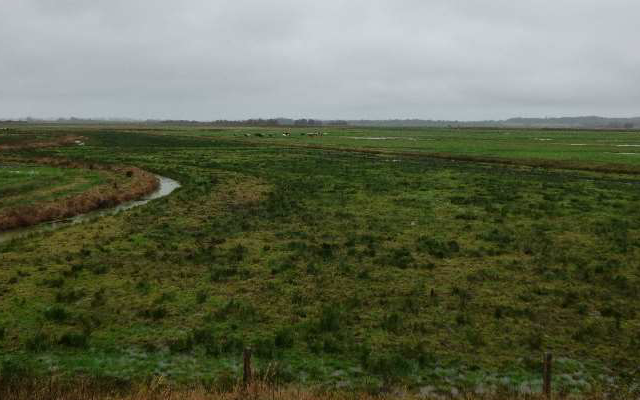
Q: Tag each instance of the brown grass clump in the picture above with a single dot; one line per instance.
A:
(135, 184)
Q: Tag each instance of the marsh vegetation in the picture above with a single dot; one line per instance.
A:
(338, 268)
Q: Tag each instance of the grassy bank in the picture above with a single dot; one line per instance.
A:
(48, 189)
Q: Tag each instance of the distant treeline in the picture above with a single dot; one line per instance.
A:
(277, 122)
(220, 122)
(588, 122)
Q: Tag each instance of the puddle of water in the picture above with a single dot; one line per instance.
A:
(167, 186)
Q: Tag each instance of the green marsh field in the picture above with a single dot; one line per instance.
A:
(343, 256)
(24, 185)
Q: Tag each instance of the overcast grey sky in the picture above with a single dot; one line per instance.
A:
(233, 59)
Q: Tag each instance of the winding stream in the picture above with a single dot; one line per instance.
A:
(167, 186)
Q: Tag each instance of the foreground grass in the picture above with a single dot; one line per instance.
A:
(344, 269)
(228, 390)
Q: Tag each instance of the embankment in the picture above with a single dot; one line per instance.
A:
(128, 183)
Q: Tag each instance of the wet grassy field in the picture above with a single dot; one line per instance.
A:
(341, 268)
(570, 147)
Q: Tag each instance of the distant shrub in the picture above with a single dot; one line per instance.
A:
(98, 298)
(621, 282)
(392, 323)
(401, 258)
(463, 294)
(143, 287)
(279, 266)
(12, 370)
(398, 257)
(220, 274)
(467, 216)
(74, 270)
(237, 253)
(437, 248)
(534, 340)
(364, 274)
(181, 344)
(330, 318)
(156, 313)
(225, 381)
(501, 238)
(231, 344)
(462, 319)
(410, 304)
(235, 309)
(389, 366)
(99, 269)
(56, 314)
(69, 296)
(264, 347)
(285, 338)
(326, 251)
(582, 308)
(570, 298)
(53, 283)
(74, 339)
(332, 345)
(206, 338)
(474, 337)
(201, 296)
(38, 342)
(165, 297)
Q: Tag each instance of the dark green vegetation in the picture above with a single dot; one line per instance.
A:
(341, 266)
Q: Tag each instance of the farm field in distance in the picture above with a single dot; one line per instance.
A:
(570, 147)
(358, 258)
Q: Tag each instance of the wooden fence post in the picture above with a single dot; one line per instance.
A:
(246, 377)
(546, 375)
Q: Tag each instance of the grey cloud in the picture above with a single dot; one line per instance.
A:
(197, 59)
